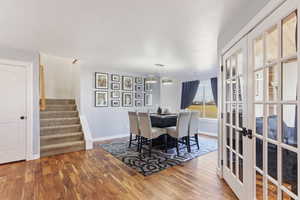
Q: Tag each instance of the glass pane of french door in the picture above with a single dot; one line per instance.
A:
(275, 74)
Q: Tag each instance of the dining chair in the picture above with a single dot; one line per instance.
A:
(181, 130)
(147, 131)
(194, 126)
(134, 128)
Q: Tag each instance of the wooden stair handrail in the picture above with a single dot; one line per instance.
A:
(42, 88)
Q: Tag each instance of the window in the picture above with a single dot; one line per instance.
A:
(204, 101)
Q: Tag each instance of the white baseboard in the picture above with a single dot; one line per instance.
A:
(36, 156)
(219, 173)
(109, 137)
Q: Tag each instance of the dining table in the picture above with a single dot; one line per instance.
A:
(163, 121)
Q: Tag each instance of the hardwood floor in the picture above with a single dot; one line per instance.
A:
(96, 174)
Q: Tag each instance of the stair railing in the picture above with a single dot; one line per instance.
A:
(42, 86)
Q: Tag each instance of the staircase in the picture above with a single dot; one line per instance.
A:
(60, 128)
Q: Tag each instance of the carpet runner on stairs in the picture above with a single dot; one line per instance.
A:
(60, 128)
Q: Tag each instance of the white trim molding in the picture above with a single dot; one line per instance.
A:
(110, 137)
(86, 132)
(29, 155)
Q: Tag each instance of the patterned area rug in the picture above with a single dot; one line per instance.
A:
(159, 160)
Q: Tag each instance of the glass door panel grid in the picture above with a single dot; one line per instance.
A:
(234, 96)
(277, 176)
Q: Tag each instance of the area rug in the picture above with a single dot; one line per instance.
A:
(159, 160)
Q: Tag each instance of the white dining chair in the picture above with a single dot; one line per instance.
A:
(181, 130)
(134, 128)
(147, 131)
(194, 126)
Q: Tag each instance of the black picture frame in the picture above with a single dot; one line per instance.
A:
(139, 80)
(148, 99)
(115, 94)
(125, 83)
(139, 95)
(115, 86)
(124, 100)
(139, 103)
(148, 87)
(98, 76)
(98, 104)
(115, 103)
(115, 78)
(139, 88)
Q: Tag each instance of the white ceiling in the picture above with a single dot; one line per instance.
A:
(129, 35)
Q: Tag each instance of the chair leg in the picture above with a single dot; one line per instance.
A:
(141, 144)
(130, 139)
(177, 147)
(138, 142)
(197, 141)
(150, 147)
(188, 144)
(166, 143)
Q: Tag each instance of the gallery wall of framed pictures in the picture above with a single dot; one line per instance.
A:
(113, 90)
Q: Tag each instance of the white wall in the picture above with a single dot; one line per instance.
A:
(31, 57)
(58, 77)
(170, 96)
(106, 122)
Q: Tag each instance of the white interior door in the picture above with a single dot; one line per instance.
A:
(237, 152)
(12, 112)
(274, 63)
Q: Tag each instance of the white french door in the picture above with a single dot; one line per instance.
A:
(274, 64)
(237, 152)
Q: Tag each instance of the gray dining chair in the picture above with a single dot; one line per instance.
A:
(194, 126)
(134, 128)
(147, 131)
(181, 130)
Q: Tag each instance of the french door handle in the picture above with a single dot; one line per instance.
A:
(247, 132)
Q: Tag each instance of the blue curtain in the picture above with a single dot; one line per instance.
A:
(214, 88)
(189, 91)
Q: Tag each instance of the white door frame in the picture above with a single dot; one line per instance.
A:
(29, 103)
(264, 13)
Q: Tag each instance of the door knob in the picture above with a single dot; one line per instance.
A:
(22, 117)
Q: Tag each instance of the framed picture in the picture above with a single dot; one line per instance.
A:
(115, 86)
(139, 103)
(127, 83)
(101, 99)
(148, 87)
(139, 80)
(148, 99)
(115, 94)
(115, 103)
(101, 80)
(139, 95)
(115, 78)
(139, 88)
(127, 99)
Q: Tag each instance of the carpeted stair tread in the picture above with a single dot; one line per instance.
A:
(58, 114)
(60, 148)
(70, 107)
(60, 101)
(56, 136)
(60, 129)
(61, 145)
(59, 121)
